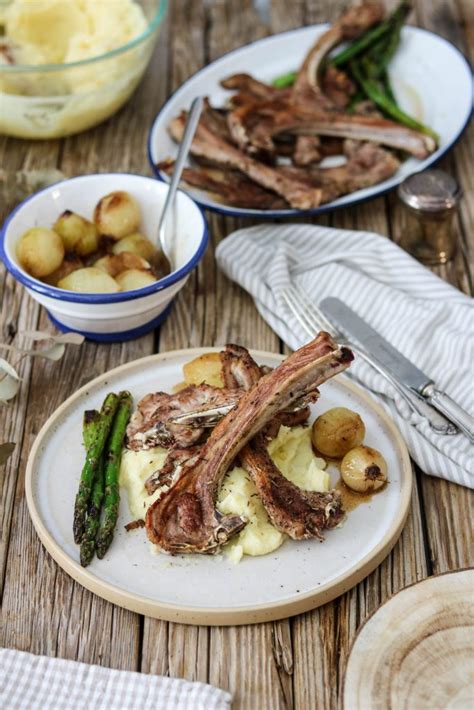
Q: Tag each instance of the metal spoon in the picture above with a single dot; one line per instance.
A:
(188, 135)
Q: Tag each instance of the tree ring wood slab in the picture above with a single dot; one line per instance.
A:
(417, 650)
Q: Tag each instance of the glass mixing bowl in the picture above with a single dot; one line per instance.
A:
(55, 100)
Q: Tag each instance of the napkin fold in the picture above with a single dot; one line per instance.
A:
(37, 683)
(429, 321)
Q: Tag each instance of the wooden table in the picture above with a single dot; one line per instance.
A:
(297, 662)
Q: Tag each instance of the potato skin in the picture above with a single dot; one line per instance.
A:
(114, 264)
(337, 431)
(89, 280)
(78, 234)
(40, 251)
(364, 469)
(134, 278)
(117, 215)
(137, 244)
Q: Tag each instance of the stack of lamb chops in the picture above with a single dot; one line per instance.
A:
(239, 149)
(246, 413)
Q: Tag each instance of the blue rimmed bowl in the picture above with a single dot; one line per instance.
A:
(116, 316)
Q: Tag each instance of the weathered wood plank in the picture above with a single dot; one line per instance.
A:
(448, 508)
(54, 615)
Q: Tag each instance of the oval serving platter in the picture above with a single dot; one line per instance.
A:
(431, 79)
(211, 590)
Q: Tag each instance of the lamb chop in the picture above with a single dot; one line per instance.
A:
(298, 513)
(153, 422)
(209, 145)
(367, 164)
(232, 186)
(258, 124)
(352, 23)
(185, 518)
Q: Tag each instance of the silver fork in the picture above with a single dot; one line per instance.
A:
(311, 319)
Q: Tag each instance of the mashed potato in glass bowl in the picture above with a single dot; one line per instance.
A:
(67, 65)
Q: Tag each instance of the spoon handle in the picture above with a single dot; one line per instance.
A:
(189, 131)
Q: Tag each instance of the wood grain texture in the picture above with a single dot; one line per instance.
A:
(297, 663)
(416, 651)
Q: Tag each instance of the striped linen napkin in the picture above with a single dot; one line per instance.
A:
(428, 320)
(39, 683)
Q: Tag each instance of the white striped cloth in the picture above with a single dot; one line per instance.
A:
(29, 682)
(428, 320)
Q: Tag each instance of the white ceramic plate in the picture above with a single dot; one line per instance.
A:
(204, 589)
(431, 79)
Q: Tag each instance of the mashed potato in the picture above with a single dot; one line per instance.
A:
(291, 451)
(135, 468)
(63, 31)
(52, 104)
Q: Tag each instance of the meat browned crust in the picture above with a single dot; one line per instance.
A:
(185, 519)
(298, 513)
(209, 145)
(152, 422)
(258, 125)
(239, 369)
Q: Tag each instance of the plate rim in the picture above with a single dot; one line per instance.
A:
(222, 616)
(330, 206)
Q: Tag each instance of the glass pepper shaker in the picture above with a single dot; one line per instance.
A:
(431, 199)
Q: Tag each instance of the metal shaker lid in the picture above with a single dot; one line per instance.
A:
(430, 191)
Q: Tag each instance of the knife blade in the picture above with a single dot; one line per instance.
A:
(353, 326)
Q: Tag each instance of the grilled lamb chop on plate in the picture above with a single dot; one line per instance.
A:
(185, 518)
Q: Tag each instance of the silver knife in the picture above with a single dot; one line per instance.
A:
(355, 327)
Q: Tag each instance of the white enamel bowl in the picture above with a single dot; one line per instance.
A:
(431, 79)
(115, 316)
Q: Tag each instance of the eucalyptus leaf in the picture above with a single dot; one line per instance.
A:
(55, 352)
(72, 338)
(6, 451)
(9, 381)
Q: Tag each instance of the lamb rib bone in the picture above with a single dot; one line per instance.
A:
(185, 519)
(258, 126)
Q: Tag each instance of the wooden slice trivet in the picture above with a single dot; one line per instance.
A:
(417, 651)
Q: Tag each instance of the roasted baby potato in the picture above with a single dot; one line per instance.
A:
(89, 280)
(40, 251)
(134, 278)
(78, 234)
(135, 243)
(204, 369)
(337, 431)
(364, 469)
(117, 215)
(114, 264)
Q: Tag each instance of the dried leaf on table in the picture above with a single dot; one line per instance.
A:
(71, 338)
(9, 381)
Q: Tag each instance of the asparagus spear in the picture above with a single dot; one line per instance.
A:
(371, 36)
(93, 517)
(377, 95)
(89, 427)
(284, 81)
(112, 466)
(95, 433)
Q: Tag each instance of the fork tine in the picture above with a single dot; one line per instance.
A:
(305, 308)
(299, 314)
(317, 315)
